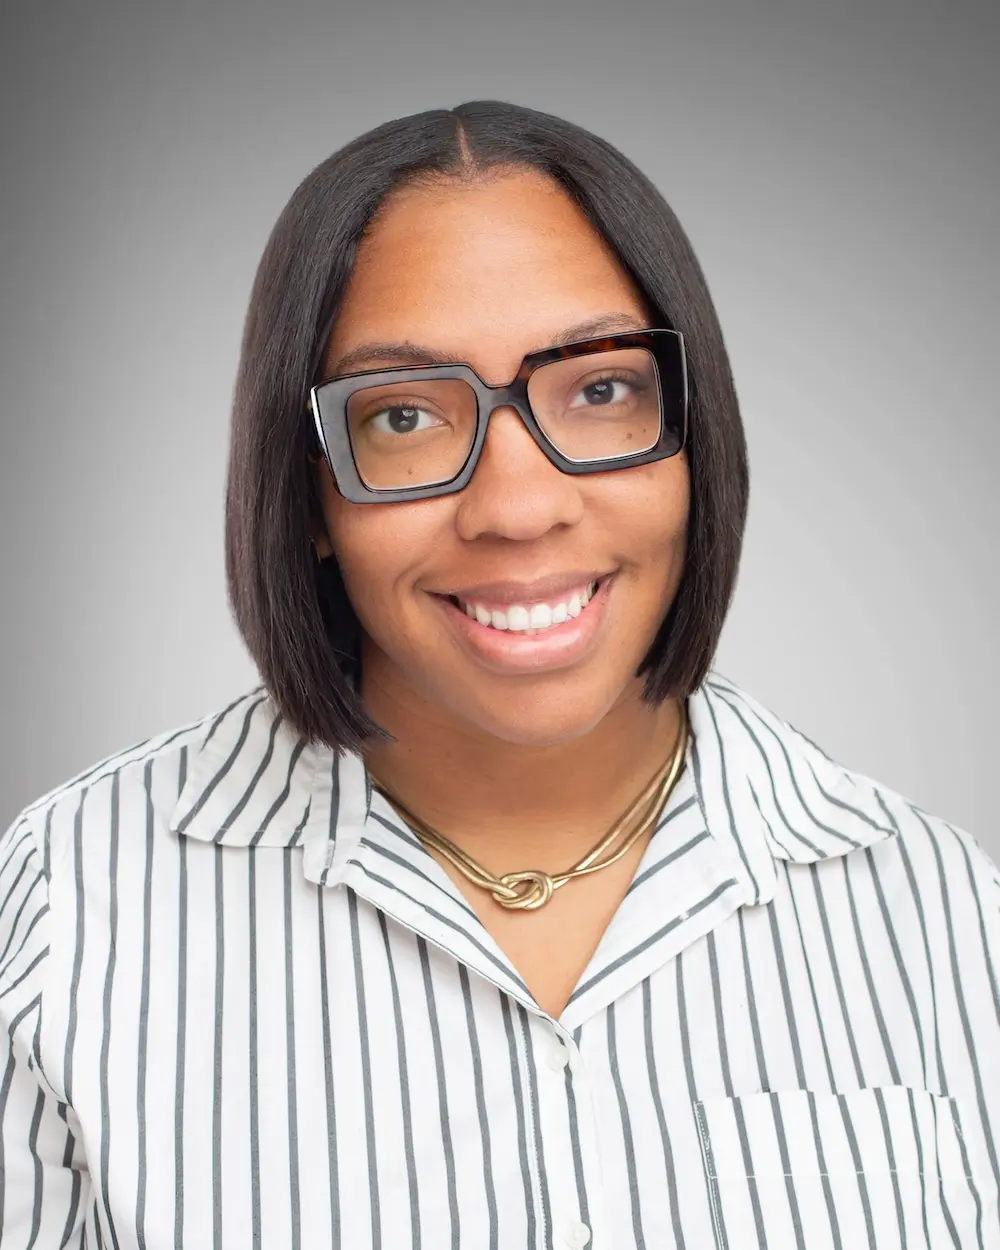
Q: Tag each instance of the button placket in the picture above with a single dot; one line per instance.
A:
(557, 1059)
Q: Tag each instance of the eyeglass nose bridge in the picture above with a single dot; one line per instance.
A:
(514, 395)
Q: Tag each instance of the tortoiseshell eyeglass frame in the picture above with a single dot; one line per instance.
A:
(329, 401)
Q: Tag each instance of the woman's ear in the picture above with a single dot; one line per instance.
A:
(322, 545)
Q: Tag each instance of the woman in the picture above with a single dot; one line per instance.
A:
(493, 917)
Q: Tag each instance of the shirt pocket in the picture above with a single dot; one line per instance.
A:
(881, 1167)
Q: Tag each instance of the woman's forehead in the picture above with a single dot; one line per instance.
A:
(502, 267)
(482, 227)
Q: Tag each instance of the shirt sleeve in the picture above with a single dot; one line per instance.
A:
(976, 920)
(44, 1183)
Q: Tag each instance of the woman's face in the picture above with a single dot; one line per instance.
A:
(485, 273)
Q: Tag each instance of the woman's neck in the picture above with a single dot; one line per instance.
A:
(509, 803)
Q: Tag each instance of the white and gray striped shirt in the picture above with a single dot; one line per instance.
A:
(241, 1006)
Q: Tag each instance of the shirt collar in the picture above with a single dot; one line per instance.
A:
(769, 794)
(766, 792)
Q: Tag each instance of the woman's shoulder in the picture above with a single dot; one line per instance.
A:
(814, 794)
(81, 806)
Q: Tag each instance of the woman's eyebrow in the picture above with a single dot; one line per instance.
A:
(415, 354)
(389, 353)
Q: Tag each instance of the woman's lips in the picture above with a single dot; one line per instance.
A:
(556, 647)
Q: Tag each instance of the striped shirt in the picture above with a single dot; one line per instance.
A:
(241, 1006)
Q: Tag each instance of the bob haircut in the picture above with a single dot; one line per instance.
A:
(291, 609)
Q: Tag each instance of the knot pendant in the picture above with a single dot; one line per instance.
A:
(523, 891)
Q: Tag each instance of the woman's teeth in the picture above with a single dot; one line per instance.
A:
(540, 616)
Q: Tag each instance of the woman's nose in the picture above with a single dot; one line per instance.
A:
(515, 490)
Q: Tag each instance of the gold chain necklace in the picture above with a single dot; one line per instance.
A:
(532, 888)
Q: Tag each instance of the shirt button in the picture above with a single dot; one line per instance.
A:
(558, 1058)
(577, 1234)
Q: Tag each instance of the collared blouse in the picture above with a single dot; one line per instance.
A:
(241, 1006)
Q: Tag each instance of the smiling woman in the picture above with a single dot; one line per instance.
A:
(494, 916)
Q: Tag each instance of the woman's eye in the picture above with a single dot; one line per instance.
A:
(603, 391)
(402, 419)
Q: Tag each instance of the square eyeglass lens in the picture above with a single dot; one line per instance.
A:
(601, 406)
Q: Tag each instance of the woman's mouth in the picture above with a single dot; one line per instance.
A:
(532, 618)
(531, 637)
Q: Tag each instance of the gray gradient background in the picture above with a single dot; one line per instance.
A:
(837, 171)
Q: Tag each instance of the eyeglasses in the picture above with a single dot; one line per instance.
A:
(391, 435)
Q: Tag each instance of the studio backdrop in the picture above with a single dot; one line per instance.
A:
(836, 167)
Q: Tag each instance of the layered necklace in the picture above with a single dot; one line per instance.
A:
(532, 888)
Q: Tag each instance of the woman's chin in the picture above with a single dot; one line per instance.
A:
(541, 719)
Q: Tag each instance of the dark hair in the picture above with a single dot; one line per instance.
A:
(292, 611)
